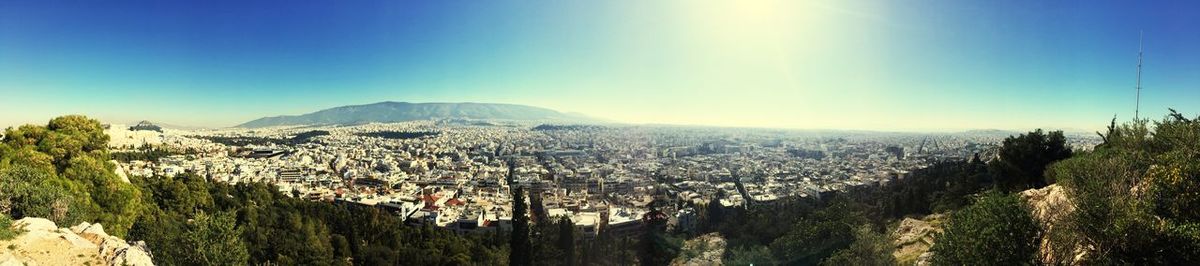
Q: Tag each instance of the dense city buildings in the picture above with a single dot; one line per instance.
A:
(458, 174)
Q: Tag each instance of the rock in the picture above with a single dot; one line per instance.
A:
(1049, 206)
(44, 243)
(94, 233)
(702, 250)
(120, 171)
(80, 227)
(135, 255)
(36, 224)
(913, 238)
(9, 260)
(77, 241)
(925, 259)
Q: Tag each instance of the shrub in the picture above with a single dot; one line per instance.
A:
(996, 230)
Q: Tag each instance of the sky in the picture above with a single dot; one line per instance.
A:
(870, 65)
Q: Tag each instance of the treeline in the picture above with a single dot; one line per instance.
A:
(398, 134)
(190, 221)
(556, 240)
(301, 138)
(849, 228)
(149, 153)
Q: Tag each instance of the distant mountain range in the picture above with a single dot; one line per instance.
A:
(387, 112)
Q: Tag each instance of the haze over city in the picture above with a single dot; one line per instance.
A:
(875, 65)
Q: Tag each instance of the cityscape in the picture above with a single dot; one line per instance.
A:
(599, 133)
(458, 174)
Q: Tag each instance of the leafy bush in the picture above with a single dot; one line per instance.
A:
(870, 248)
(6, 228)
(996, 230)
(1139, 194)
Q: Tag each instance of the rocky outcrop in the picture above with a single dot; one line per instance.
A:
(44, 243)
(702, 250)
(1050, 206)
(913, 238)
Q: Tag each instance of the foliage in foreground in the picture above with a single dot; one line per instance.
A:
(997, 230)
(1137, 195)
(870, 248)
(61, 171)
(6, 228)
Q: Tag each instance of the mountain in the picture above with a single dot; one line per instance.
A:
(385, 112)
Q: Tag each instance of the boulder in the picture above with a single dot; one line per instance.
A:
(1050, 206)
(36, 224)
(913, 237)
(43, 243)
(10, 260)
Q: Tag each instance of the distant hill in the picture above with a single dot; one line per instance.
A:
(386, 112)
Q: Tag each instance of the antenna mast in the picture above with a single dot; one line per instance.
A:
(1138, 105)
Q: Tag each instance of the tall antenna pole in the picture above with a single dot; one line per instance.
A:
(1138, 105)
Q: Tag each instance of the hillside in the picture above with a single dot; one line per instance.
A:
(385, 112)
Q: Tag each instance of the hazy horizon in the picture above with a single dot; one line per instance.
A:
(856, 65)
(607, 122)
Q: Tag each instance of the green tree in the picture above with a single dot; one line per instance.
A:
(870, 248)
(996, 230)
(61, 171)
(214, 240)
(752, 255)
(1023, 159)
(520, 246)
(654, 247)
(813, 238)
(119, 203)
(566, 240)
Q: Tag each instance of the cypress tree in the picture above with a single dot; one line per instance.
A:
(566, 240)
(519, 246)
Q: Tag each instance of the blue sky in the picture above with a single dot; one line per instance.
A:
(878, 65)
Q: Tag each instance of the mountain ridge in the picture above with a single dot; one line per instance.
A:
(392, 111)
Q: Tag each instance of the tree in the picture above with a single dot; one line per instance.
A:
(61, 171)
(214, 240)
(869, 249)
(521, 254)
(119, 203)
(752, 255)
(566, 240)
(996, 230)
(653, 247)
(1023, 159)
(712, 214)
(811, 239)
